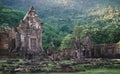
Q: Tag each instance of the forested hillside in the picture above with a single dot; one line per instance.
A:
(103, 27)
(10, 16)
(100, 18)
(62, 12)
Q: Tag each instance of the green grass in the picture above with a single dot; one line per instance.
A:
(92, 71)
(89, 68)
(3, 62)
(96, 71)
(101, 71)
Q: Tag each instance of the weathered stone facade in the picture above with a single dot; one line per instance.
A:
(79, 48)
(105, 51)
(88, 45)
(29, 33)
(4, 44)
(26, 39)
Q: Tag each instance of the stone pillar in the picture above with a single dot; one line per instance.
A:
(78, 49)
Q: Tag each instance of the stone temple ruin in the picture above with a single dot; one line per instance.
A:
(26, 38)
(29, 34)
(26, 41)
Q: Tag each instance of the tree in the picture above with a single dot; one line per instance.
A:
(99, 35)
(67, 42)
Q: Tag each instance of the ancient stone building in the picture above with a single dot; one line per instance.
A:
(100, 50)
(26, 39)
(78, 47)
(106, 51)
(29, 34)
(88, 45)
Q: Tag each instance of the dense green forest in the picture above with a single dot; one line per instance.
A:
(10, 16)
(62, 12)
(66, 19)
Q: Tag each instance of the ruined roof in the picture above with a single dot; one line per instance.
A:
(31, 9)
(31, 19)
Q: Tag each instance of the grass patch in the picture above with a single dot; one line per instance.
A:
(94, 67)
(14, 63)
(92, 71)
